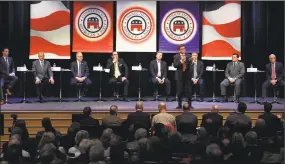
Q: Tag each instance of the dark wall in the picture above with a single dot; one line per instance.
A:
(262, 34)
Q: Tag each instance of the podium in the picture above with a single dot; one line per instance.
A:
(139, 69)
(254, 71)
(100, 70)
(213, 70)
(24, 70)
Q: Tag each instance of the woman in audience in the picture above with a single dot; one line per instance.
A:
(80, 135)
(252, 150)
(237, 149)
(47, 125)
(68, 141)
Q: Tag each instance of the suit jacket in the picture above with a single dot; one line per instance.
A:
(200, 69)
(139, 117)
(84, 69)
(111, 120)
(89, 121)
(153, 68)
(217, 121)
(177, 64)
(11, 64)
(123, 68)
(273, 123)
(279, 71)
(187, 117)
(233, 117)
(42, 73)
(4, 72)
(237, 72)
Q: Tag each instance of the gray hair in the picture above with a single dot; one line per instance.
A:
(272, 55)
(96, 153)
(84, 145)
(251, 138)
(80, 135)
(140, 133)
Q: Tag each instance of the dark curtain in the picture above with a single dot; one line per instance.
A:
(262, 34)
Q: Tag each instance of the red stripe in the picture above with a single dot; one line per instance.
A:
(231, 29)
(218, 48)
(38, 44)
(52, 22)
(232, 1)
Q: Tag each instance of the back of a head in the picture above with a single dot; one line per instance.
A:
(87, 111)
(84, 145)
(73, 129)
(267, 107)
(251, 138)
(22, 124)
(113, 110)
(202, 133)
(174, 137)
(161, 107)
(17, 130)
(186, 107)
(106, 137)
(140, 133)
(47, 154)
(260, 123)
(214, 154)
(80, 135)
(46, 123)
(96, 153)
(242, 107)
(238, 141)
(215, 108)
(139, 106)
(47, 138)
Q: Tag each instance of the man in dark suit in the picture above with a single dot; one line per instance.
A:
(119, 72)
(139, 116)
(113, 119)
(196, 71)
(158, 71)
(88, 120)
(3, 74)
(212, 121)
(275, 75)
(43, 75)
(234, 75)
(80, 71)
(187, 117)
(273, 123)
(238, 116)
(9, 64)
(181, 63)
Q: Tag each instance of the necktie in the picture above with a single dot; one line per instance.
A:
(183, 65)
(42, 65)
(116, 70)
(195, 70)
(7, 62)
(79, 69)
(272, 72)
(234, 64)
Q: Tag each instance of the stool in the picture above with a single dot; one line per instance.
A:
(276, 93)
(6, 94)
(156, 92)
(117, 90)
(78, 90)
(234, 96)
(195, 94)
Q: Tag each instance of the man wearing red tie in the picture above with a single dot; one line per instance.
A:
(181, 62)
(274, 73)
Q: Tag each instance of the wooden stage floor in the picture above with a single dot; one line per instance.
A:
(126, 107)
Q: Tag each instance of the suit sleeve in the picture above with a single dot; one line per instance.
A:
(176, 62)
(151, 69)
(72, 68)
(242, 71)
(50, 73)
(126, 69)
(267, 72)
(281, 72)
(12, 65)
(201, 70)
(165, 70)
(34, 70)
(86, 69)
(227, 71)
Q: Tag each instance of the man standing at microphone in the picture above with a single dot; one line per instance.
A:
(182, 63)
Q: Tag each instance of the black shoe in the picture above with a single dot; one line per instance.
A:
(237, 99)
(226, 99)
(167, 99)
(125, 99)
(202, 99)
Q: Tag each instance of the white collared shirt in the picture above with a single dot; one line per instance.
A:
(158, 68)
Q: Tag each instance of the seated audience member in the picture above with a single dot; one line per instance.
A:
(106, 137)
(273, 123)
(199, 147)
(214, 154)
(117, 152)
(139, 116)
(237, 149)
(252, 150)
(47, 125)
(88, 120)
(212, 121)
(48, 154)
(80, 135)
(260, 128)
(187, 117)
(163, 117)
(96, 154)
(13, 153)
(112, 119)
(239, 114)
(68, 141)
(272, 152)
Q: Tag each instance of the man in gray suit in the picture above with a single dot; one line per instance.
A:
(234, 75)
(43, 75)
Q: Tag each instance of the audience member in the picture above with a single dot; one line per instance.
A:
(112, 119)
(68, 141)
(47, 125)
(212, 121)
(163, 117)
(273, 123)
(139, 116)
(187, 117)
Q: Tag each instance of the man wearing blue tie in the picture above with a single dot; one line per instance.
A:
(80, 71)
(8, 65)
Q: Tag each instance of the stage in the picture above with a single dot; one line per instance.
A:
(126, 107)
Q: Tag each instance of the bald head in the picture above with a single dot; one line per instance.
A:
(113, 110)
(79, 56)
(215, 108)
(186, 107)
(139, 106)
(162, 107)
(41, 56)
